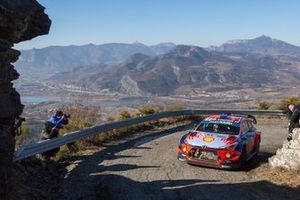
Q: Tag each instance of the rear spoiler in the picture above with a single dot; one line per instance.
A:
(246, 116)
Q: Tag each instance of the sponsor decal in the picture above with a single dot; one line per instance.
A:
(195, 135)
(208, 139)
(226, 122)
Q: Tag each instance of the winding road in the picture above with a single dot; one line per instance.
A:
(145, 167)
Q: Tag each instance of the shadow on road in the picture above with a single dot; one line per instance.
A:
(89, 180)
(258, 160)
(89, 164)
(115, 187)
(120, 167)
(110, 150)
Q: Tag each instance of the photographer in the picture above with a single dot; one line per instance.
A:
(293, 114)
(52, 127)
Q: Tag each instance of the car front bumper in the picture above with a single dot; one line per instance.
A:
(228, 165)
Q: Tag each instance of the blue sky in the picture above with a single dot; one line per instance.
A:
(197, 22)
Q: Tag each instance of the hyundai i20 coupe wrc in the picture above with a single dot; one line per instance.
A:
(221, 141)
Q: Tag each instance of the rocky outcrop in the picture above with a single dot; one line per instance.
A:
(288, 156)
(19, 20)
(129, 86)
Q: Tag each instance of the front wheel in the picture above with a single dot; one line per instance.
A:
(257, 149)
(243, 159)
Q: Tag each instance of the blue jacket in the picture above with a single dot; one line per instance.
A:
(58, 122)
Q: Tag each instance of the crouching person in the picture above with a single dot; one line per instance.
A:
(52, 127)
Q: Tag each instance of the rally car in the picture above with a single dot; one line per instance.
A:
(221, 141)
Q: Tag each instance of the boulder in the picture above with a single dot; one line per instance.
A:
(288, 157)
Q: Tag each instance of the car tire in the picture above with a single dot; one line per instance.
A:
(257, 149)
(243, 159)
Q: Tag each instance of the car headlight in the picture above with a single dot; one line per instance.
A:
(183, 146)
(228, 155)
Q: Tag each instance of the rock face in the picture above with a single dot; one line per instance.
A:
(19, 20)
(289, 155)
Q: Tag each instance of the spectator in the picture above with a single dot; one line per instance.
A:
(293, 116)
(52, 127)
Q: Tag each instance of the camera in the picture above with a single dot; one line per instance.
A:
(20, 119)
(67, 115)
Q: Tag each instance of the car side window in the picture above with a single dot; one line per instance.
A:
(250, 125)
(245, 127)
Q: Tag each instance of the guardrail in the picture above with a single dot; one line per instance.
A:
(46, 145)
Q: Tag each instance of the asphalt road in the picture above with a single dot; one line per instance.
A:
(146, 168)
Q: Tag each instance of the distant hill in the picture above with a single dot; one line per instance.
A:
(164, 69)
(183, 69)
(263, 45)
(54, 59)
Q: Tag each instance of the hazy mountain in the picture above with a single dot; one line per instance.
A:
(137, 69)
(53, 59)
(183, 69)
(262, 44)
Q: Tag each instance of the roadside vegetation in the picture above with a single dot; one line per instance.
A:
(24, 131)
(281, 105)
(83, 117)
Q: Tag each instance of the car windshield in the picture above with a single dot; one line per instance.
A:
(218, 128)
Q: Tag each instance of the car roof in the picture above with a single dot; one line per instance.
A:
(224, 119)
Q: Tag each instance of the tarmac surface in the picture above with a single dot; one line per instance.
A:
(145, 167)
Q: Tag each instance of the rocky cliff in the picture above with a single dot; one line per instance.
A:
(19, 20)
(289, 155)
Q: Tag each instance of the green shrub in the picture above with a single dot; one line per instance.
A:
(264, 105)
(124, 115)
(110, 119)
(174, 107)
(75, 124)
(63, 154)
(285, 102)
(146, 110)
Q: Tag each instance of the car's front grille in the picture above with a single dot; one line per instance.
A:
(202, 154)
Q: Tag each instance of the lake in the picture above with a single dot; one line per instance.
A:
(33, 100)
(125, 101)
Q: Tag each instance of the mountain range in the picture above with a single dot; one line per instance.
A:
(262, 45)
(55, 59)
(183, 69)
(167, 69)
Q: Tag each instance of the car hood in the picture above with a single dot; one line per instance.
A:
(210, 140)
